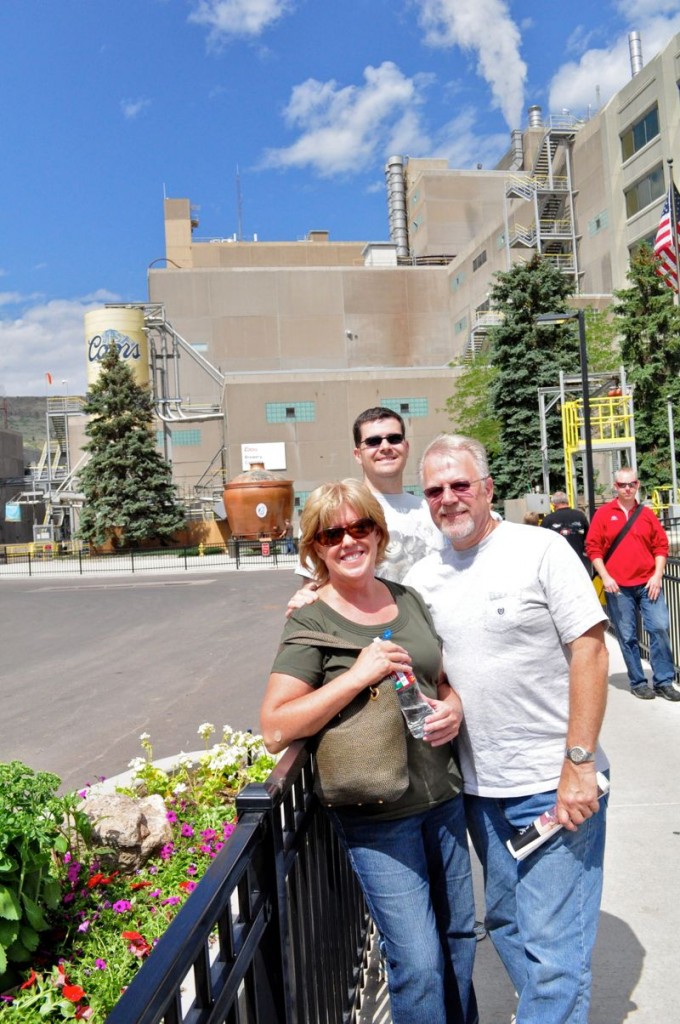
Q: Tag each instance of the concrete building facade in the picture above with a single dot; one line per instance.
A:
(272, 348)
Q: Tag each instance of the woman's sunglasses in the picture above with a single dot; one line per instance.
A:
(334, 534)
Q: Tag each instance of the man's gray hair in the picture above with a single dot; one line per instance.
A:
(559, 498)
(452, 445)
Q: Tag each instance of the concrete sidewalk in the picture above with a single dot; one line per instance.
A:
(636, 966)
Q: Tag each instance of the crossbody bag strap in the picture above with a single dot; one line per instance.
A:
(621, 534)
(319, 639)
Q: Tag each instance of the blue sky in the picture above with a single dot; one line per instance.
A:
(108, 105)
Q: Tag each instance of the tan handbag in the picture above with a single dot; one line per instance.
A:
(361, 754)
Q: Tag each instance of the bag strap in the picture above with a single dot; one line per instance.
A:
(319, 639)
(621, 534)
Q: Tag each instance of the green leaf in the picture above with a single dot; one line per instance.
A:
(9, 904)
(33, 913)
(51, 893)
(3, 959)
(18, 952)
(61, 844)
(28, 937)
(7, 863)
(8, 933)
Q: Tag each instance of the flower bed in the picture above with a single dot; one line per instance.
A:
(74, 943)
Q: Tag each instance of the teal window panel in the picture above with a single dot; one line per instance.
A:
(407, 406)
(598, 223)
(290, 412)
(457, 281)
(299, 499)
(460, 325)
(414, 489)
(186, 438)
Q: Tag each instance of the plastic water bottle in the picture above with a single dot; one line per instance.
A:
(414, 707)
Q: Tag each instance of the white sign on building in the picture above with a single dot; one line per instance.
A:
(272, 454)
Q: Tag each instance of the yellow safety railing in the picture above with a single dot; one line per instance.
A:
(611, 426)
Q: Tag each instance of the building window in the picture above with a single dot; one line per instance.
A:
(500, 242)
(416, 223)
(457, 281)
(640, 133)
(199, 346)
(598, 223)
(414, 489)
(479, 261)
(648, 240)
(300, 498)
(290, 412)
(645, 191)
(460, 325)
(181, 438)
(406, 406)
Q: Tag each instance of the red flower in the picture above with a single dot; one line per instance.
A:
(100, 879)
(74, 993)
(83, 1013)
(141, 885)
(138, 944)
(30, 980)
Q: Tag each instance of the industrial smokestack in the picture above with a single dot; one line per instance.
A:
(396, 204)
(517, 149)
(535, 117)
(635, 50)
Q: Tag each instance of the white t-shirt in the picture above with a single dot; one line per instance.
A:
(413, 535)
(505, 610)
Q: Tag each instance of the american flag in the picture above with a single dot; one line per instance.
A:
(666, 241)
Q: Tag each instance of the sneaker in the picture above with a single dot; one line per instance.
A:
(668, 691)
(644, 692)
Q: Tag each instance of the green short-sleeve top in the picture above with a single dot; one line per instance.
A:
(433, 773)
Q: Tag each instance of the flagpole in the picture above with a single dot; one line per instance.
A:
(674, 227)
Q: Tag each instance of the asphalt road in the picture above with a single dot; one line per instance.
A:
(86, 666)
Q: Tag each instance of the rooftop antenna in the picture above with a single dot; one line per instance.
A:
(239, 206)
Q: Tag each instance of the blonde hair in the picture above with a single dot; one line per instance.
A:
(319, 512)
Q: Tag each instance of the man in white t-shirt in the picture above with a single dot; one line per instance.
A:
(381, 449)
(523, 636)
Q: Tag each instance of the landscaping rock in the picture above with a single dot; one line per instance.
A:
(132, 829)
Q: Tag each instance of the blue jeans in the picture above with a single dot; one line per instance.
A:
(542, 912)
(622, 610)
(415, 874)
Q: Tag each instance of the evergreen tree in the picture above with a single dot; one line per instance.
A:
(469, 407)
(127, 484)
(527, 357)
(649, 323)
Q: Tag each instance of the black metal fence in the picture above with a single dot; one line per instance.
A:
(52, 559)
(277, 930)
(671, 589)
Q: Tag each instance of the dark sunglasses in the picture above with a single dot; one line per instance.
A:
(334, 534)
(458, 487)
(375, 440)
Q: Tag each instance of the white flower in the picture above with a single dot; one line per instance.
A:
(144, 737)
(137, 763)
(206, 730)
(179, 788)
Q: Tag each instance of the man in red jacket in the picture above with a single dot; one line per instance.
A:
(632, 579)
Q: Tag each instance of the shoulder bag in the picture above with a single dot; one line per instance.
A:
(361, 754)
(597, 580)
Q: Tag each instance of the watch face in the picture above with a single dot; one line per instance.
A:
(578, 755)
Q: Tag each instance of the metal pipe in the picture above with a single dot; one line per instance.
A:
(588, 439)
(635, 51)
(671, 438)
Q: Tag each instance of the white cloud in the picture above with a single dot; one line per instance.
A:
(45, 337)
(237, 18)
(345, 129)
(600, 72)
(133, 108)
(485, 27)
(463, 145)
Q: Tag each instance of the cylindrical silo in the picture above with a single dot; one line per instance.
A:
(120, 326)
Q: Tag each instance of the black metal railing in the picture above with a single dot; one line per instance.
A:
(51, 559)
(276, 932)
(671, 590)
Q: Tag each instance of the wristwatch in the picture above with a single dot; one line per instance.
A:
(579, 755)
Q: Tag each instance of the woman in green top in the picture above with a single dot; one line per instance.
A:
(411, 855)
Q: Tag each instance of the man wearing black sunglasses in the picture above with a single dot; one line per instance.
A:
(381, 449)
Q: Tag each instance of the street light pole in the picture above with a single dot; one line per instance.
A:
(588, 436)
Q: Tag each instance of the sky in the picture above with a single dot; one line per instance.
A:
(273, 117)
